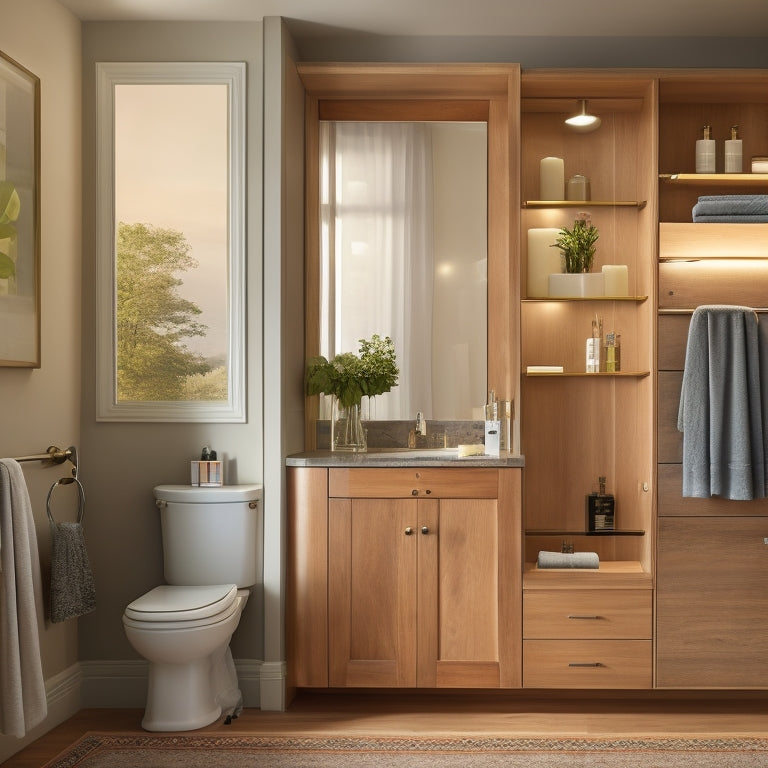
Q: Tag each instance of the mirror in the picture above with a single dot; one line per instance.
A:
(440, 93)
(403, 253)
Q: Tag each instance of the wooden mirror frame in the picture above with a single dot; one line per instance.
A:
(437, 92)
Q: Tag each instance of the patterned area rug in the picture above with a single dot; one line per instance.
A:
(104, 750)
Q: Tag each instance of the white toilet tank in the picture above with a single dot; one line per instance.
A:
(210, 535)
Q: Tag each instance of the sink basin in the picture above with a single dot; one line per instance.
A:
(412, 454)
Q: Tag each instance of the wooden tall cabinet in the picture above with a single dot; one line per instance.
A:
(712, 553)
(405, 577)
(577, 426)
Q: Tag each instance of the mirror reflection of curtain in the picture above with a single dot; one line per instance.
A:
(377, 250)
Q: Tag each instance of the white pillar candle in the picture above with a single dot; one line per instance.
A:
(616, 279)
(552, 178)
(543, 260)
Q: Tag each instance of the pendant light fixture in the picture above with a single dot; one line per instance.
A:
(582, 121)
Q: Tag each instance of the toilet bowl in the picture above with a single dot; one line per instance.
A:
(184, 634)
(183, 628)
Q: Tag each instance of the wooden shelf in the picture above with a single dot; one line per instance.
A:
(715, 178)
(639, 204)
(612, 574)
(691, 241)
(601, 375)
(638, 299)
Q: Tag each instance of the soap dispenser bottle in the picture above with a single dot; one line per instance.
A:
(601, 510)
(733, 152)
(705, 152)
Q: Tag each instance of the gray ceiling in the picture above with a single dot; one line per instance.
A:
(471, 18)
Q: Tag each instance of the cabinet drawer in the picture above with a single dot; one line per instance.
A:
(587, 664)
(421, 482)
(605, 614)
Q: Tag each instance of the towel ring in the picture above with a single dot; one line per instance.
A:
(81, 494)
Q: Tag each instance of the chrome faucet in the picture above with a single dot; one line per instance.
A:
(421, 424)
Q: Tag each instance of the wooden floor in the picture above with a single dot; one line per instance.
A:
(700, 714)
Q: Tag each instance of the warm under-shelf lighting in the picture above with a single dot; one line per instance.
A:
(583, 121)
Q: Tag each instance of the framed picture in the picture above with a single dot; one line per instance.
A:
(19, 215)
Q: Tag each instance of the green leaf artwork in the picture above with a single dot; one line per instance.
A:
(10, 207)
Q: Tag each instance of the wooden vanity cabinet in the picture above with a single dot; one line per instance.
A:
(418, 585)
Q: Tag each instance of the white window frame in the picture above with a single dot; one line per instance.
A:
(108, 75)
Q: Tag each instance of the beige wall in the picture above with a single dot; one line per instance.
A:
(123, 461)
(41, 407)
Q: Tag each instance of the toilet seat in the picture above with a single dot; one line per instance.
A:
(183, 605)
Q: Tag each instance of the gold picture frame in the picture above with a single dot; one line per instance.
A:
(19, 215)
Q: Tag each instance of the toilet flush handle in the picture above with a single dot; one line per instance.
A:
(160, 503)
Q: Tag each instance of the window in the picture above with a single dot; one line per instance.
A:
(171, 264)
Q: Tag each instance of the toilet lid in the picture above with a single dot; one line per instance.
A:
(175, 603)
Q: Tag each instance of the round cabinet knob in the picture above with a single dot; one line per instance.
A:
(424, 529)
(415, 492)
(408, 531)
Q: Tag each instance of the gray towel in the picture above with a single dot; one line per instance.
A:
(72, 589)
(720, 412)
(23, 702)
(568, 560)
(734, 205)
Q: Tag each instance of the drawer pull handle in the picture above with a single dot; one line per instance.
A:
(409, 531)
(579, 616)
(585, 664)
(415, 492)
(424, 529)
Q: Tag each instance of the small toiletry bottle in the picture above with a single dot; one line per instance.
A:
(492, 426)
(612, 353)
(705, 152)
(601, 510)
(593, 348)
(733, 151)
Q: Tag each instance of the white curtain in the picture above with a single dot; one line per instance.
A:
(376, 250)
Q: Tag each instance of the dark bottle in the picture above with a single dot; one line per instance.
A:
(601, 510)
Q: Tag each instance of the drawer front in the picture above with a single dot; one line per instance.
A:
(600, 614)
(587, 664)
(419, 482)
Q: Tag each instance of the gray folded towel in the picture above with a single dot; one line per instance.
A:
(738, 208)
(568, 560)
(72, 589)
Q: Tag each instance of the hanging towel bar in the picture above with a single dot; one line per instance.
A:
(54, 455)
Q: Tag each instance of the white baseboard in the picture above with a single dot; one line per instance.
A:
(110, 684)
(273, 686)
(62, 693)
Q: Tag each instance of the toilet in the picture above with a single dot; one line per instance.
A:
(183, 628)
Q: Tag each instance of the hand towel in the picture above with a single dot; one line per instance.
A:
(72, 588)
(568, 560)
(22, 688)
(720, 413)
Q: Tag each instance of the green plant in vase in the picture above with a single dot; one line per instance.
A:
(349, 378)
(578, 246)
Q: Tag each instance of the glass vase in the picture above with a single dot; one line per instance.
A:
(347, 433)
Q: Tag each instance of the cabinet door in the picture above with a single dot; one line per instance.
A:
(712, 602)
(458, 611)
(372, 592)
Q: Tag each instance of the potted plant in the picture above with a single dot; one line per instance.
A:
(578, 246)
(349, 377)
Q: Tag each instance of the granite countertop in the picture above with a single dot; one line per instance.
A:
(389, 457)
